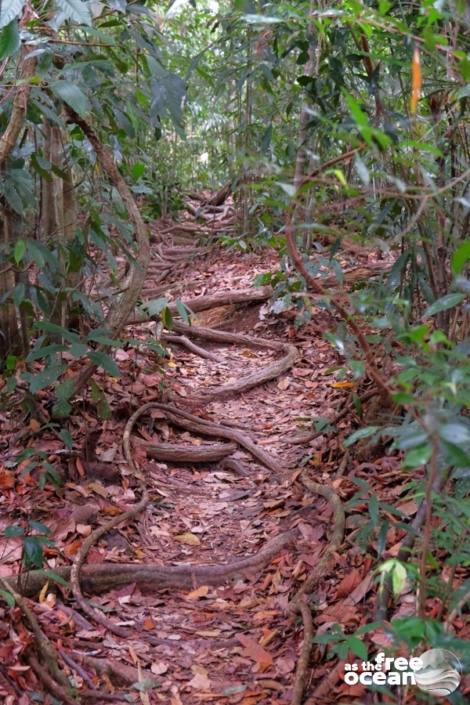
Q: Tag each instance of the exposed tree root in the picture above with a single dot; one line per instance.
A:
(254, 379)
(122, 672)
(179, 453)
(193, 423)
(81, 555)
(192, 347)
(51, 685)
(96, 578)
(298, 602)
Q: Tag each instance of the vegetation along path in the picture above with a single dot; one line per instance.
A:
(234, 336)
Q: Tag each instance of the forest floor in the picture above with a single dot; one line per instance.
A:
(234, 643)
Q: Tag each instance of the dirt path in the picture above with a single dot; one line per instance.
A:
(233, 643)
(230, 644)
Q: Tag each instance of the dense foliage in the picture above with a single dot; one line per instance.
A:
(347, 124)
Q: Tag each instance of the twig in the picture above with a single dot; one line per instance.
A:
(298, 604)
(44, 646)
(80, 558)
(53, 687)
(317, 287)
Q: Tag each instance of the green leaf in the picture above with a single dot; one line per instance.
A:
(44, 379)
(72, 95)
(418, 456)
(32, 552)
(456, 433)
(357, 647)
(61, 409)
(20, 249)
(75, 10)
(167, 318)
(155, 306)
(460, 257)
(137, 170)
(66, 437)
(54, 577)
(395, 570)
(103, 360)
(182, 310)
(39, 526)
(9, 10)
(444, 303)
(69, 335)
(8, 597)
(360, 118)
(360, 433)
(287, 188)
(14, 530)
(261, 19)
(9, 40)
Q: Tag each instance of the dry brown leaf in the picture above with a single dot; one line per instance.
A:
(348, 583)
(201, 680)
(198, 593)
(188, 538)
(256, 652)
(148, 624)
(7, 479)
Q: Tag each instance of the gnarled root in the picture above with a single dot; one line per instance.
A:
(298, 602)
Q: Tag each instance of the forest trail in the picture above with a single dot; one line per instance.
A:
(235, 642)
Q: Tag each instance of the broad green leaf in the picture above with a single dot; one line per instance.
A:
(103, 360)
(395, 570)
(287, 188)
(32, 552)
(9, 39)
(75, 10)
(461, 257)
(455, 432)
(155, 306)
(360, 433)
(137, 170)
(418, 456)
(261, 19)
(357, 647)
(43, 379)
(357, 113)
(9, 10)
(444, 303)
(14, 530)
(20, 249)
(182, 310)
(72, 95)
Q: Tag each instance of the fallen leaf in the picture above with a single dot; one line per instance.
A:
(198, 593)
(149, 624)
(201, 680)
(159, 668)
(7, 479)
(256, 652)
(348, 583)
(343, 385)
(188, 538)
